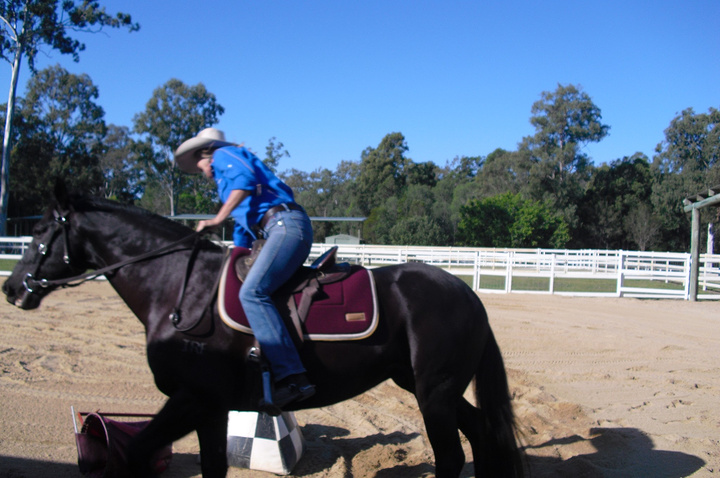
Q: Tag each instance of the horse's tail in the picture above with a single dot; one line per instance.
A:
(502, 457)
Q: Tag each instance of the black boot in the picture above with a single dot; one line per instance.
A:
(294, 388)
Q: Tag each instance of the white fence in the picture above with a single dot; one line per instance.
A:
(625, 273)
(621, 273)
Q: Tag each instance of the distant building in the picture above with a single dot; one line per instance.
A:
(342, 239)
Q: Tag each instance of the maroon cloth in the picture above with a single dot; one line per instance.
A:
(102, 444)
(328, 314)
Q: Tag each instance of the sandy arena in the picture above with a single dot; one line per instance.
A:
(602, 388)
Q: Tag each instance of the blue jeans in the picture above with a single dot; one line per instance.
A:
(289, 238)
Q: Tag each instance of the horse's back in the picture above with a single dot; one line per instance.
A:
(420, 281)
(426, 296)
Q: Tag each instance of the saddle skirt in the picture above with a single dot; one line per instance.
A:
(342, 310)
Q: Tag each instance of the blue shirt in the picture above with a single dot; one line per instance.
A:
(234, 167)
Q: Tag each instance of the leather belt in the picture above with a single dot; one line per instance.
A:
(275, 209)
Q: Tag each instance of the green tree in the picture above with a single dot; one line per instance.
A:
(274, 152)
(565, 120)
(27, 25)
(508, 220)
(686, 163)
(175, 113)
(486, 222)
(122, 176)
(417, 222)
(424, 174)
(62, 133)
(382, 172)
(504, 171)
(642, 226)
(613, 192)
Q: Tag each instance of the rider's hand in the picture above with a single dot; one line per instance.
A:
(202, 225)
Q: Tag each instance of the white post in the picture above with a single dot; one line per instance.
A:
(621, 271)
(508, 272)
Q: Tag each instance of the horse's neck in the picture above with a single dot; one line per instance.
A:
(137, 282)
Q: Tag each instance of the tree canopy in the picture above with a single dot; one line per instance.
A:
(28, 25)
(545, 194)
(175, 113)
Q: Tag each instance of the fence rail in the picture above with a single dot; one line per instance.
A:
(621, 273)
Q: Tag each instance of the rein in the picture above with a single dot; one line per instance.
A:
(30, 283)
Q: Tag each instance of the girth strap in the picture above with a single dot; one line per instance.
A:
(298, 314)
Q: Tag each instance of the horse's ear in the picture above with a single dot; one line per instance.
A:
(61, 194)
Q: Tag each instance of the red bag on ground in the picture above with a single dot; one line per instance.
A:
(102, 445)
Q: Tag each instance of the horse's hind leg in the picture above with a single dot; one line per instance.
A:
(438, 405)
(470, 424)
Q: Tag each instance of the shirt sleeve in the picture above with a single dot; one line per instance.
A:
(237, 168)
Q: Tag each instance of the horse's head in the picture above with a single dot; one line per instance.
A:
(47, 258)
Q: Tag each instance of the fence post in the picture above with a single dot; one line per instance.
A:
(508, 271)
(476, 272)
(552, 273)
(621, 271)
(688, 274)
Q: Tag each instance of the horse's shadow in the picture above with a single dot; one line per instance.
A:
(620, 452)
(327, 444)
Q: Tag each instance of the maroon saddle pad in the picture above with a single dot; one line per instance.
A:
(343, 310)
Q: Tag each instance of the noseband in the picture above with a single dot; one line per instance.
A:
(29, 282)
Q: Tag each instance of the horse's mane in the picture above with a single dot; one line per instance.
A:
(149, 220)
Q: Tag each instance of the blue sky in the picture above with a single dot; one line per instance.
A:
(457, 78)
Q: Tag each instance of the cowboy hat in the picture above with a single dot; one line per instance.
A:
(207, 138)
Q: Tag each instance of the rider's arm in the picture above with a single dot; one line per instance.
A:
(234, 199)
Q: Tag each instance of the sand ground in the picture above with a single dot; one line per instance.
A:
(602, 387)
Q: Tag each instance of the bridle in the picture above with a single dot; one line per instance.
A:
(32, 284)
(29, 281)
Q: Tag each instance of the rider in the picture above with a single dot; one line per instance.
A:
(262, 206)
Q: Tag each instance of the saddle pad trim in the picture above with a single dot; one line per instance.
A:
(225, 316)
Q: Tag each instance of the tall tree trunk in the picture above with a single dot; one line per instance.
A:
(5, 167)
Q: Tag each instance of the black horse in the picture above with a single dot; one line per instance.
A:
(432, 340)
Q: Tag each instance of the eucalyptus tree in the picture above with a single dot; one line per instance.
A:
(687, 162)
(382, 172)
(122, 178)
(28, 25)
(62, 132)
(174, 113)
(565, 120)
(274, 152)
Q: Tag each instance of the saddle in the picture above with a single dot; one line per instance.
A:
(324, 301)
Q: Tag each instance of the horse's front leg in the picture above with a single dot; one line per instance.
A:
(212, 435)
(183, 412)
